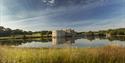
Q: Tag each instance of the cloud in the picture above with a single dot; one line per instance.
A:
(29, 16)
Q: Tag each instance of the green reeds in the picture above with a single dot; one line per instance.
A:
(110, 54)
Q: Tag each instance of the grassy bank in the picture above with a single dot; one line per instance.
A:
(108, 54)
(24, 37)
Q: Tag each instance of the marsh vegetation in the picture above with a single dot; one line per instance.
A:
(109, 54)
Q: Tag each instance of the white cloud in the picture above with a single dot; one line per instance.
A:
(47, 19)
(52, 1)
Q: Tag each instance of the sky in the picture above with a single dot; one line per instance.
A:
(81, 15)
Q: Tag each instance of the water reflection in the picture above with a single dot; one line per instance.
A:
(118, 38)
(85, 41)
(56, 41)
(16, 42)
(63, 41)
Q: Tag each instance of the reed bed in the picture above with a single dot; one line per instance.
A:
(109, 54)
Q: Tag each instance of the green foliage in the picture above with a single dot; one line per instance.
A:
(120, 31)
(9, 32)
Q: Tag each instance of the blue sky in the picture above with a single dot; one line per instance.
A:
(38, 15)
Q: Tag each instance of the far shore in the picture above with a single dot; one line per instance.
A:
(22, 37)
(32, 36)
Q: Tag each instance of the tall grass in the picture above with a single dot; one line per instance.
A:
(108, 54)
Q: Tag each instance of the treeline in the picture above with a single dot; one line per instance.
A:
(93, 33)
(120, 31)
(10, 32)
(116, 32)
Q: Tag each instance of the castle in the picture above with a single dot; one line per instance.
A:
(63, 33)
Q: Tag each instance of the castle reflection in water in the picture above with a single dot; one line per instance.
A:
(63, 40)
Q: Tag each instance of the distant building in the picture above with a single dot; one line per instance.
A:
(70, 32)
(58, 33)
(63, 33)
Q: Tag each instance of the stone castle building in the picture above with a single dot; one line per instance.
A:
(63, 33)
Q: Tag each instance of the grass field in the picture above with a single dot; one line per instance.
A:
(109, 54)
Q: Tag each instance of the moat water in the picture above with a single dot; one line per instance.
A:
(77, 42)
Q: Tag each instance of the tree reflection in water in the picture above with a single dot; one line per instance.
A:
(59, 41)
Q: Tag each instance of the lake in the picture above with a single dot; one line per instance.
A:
(69, 42)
